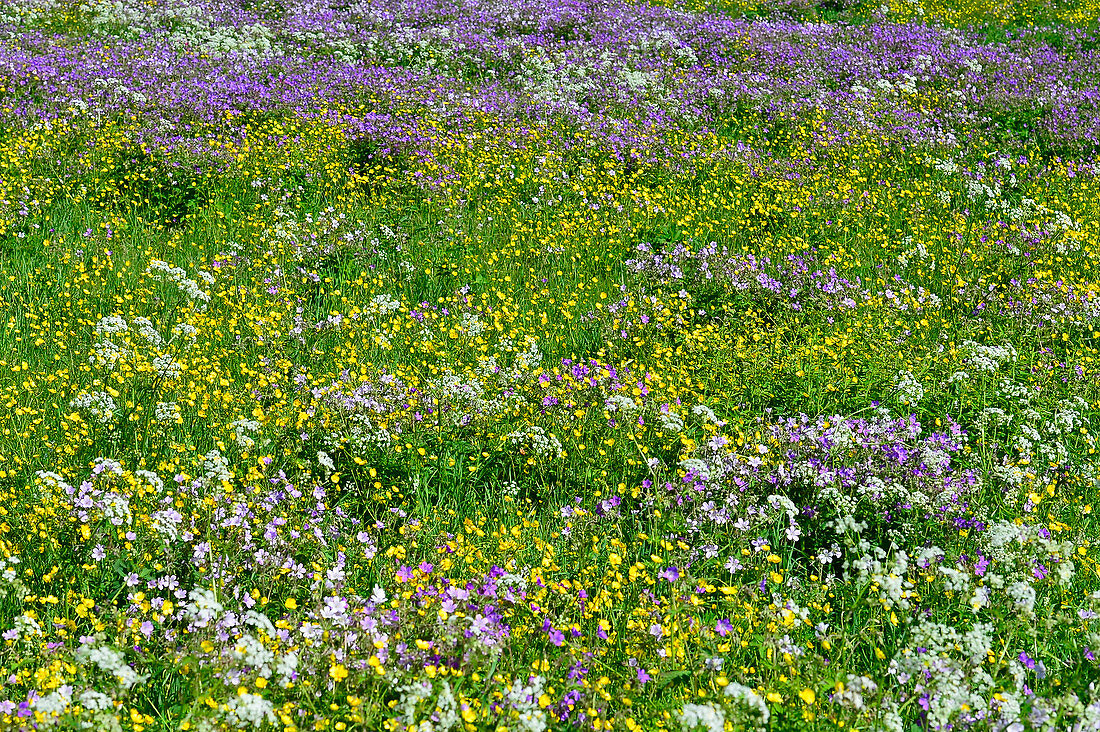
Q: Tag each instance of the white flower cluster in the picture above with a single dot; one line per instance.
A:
(243, 429)
(1018, 548)
(709, 716)
(465, 396)
(106, 353)
(471, 325)
(24, 627)
(889, 573)
(360, 435)
(116, 509)
(945, 667)
(540, 443)
(167, 413)
(524, 699)
(249, 710)
(95, 701)
(910, 391)
(439, 715)
(384, 304)
(203, 607)
(162, 271)
(111, 662)
(854, 694)
(99, 404)
(746, 710)
(988, 358)
(707, 415)
(620, 403)
(671, 421)
(166, 523)
(1035, 430)
(216, 467)
(184, 26)
(750, 711)
(145, 328)
(54, 703)
(111, 324)
(11, 584)
(166, 367)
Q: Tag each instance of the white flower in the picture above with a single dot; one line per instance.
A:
(216, 467)
(111, 662)
(910, 391)
(162, 271)
(167, 367)
(988, 358)
(203, 608)
(98, 403)
(1022, 595)
(166, 523)
(250, 710)
(253, 653)
(620, 402)
(702, 410)
(95, 701)
(110, 324)
(708, 716)
(167, 412)
(752, 707)
(671, 422)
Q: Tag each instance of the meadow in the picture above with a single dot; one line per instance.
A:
(523, 365)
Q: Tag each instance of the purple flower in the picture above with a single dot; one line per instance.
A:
(404, 573)
(723, 627)
(671, 574)
(643, 677)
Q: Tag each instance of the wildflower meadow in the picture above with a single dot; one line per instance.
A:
(524, 365)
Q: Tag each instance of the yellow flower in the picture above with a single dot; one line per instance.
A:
(338, 672)
(807, 695)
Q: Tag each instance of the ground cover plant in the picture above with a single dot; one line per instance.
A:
(549, 365)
